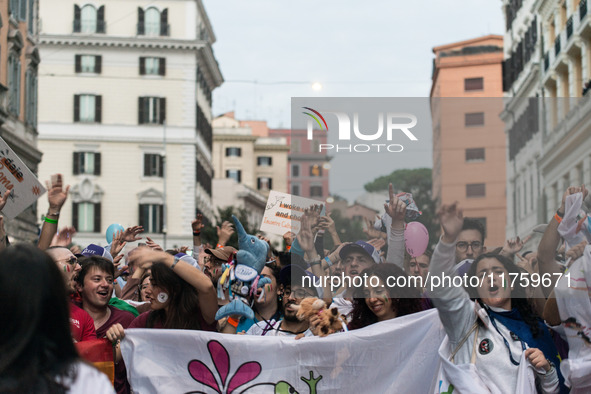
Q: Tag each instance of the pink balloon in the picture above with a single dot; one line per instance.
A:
(416, 238)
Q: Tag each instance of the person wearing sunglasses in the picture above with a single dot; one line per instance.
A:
(81, 324)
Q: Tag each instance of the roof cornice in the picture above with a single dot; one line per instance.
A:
(122, 42)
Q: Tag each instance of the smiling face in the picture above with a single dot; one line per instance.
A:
(67, 264)
(97, 289)
(355, 262)
(146, 290)
(378, 300)
(158, 299)
(495, 292)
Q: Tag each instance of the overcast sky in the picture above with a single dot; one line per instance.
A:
(272, 50)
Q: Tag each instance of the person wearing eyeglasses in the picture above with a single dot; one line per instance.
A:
(81, 324)
(292, 292)
(470, 243)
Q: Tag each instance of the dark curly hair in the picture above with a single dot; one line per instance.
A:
(519, 298)
(405, 300)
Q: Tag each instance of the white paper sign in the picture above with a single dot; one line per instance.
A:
(15, 175)
(283, 212)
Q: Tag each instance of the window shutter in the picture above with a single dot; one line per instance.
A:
(76, 163)
(239, 176)
(258, 183)
(141, 115)
(141, 218)
(98, 112)
(75, 215)
(76, 19)
(76, 108)
(162, 114)
(270, 161)
(142, 66)
(100, 20)
(78, 62)
(147, 165)
(270, 183)
(97, 163)
(98, 64)
(162, 68)
(239, 152)
(97, 217)
(164, 22)
(140, 21)
(161, 166)
(161, 217)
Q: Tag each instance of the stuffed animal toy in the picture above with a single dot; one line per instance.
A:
(242, 276)
(330, 321)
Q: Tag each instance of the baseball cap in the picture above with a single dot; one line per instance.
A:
(221, 253)
(95, 250)
(361, 247)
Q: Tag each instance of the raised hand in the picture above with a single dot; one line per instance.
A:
(377, 243)
(572, 190)
(225, 232)
(4, 198)
(118, 243)
(153, 245)
(451, 218)
(370, 231)
(63, 237)
(395, 208)
(289, 237)
(197, 223)
(56, 194)
(306, 237)
(131, 233)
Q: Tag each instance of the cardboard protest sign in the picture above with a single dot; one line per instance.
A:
(283, 212)
(15, 175)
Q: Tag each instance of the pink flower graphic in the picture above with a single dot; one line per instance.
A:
(221, 360)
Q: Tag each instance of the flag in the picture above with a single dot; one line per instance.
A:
(99, 352)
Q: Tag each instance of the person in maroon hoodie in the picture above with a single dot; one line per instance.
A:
(95, 285)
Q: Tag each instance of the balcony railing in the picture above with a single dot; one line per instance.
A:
(582, 9)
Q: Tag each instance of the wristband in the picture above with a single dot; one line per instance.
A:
(328, 261)
(557, 217)
(219, 246)
(559, 214)
(233, 322)
(176, 260)
(53, 214)
(48, 220)
(314, 263)
(196, 233)
(288, 247)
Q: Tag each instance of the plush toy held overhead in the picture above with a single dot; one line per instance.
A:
(330, 321)
(242, 277)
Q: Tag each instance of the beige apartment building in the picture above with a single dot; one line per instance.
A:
(125, 113)
(468, 136)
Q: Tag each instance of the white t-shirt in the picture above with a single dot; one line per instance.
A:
(89, 380)
(273, 329)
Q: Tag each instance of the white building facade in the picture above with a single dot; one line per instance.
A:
(547, 115)
(125, 114)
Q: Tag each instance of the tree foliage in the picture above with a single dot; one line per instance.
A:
(209, 233)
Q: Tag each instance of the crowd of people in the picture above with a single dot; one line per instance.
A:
(57, 294)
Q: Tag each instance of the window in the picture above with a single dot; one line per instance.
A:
(152, 22)
(234, 174)
(87, 163)
(474, 119)
(316, 170)
(296, 146)
(88, 19)
(88, 64)
(31, 97)
(471, 84)
(153, 165)
(475, 154)
(14, 84)
(31, 17)
(264, 161)
(295, 189)
(264, 183)
(315, 146)
(316, 191)
(151, 217)
(233, 152)
(86, 217)
(475, 190)
(295, 170)
(87, 108)
(152, 110)
(152, 66)
(18, 9)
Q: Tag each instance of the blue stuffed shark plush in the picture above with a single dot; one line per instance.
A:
(244, 274)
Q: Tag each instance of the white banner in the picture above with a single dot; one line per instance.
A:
(15, 175)
(396, 356)
(283, 212)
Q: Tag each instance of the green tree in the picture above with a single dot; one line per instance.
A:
(418, 182)
(209, 233)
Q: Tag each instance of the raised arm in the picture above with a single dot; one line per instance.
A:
(56, 196)
(396, 209)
